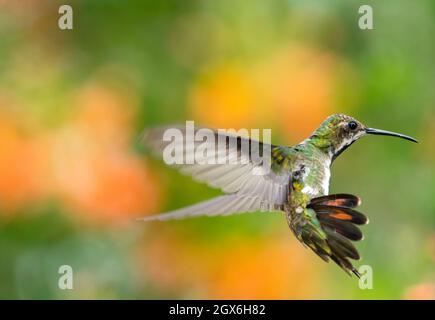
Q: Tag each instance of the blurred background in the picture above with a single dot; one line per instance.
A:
(73, 176)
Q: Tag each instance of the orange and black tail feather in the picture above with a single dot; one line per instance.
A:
(340, 199)
(339, 221)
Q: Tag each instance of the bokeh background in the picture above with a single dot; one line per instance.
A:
(73, 176)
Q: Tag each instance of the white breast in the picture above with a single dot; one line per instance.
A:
(325, 181)
(321, 188)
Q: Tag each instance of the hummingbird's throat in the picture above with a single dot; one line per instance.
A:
(342, 148)
(333, 144)
(339, 148)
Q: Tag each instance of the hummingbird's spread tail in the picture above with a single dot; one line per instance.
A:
(329, 225)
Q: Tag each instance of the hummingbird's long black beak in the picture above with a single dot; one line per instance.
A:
(389, 133)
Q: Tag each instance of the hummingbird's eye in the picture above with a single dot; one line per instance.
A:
(352, 125)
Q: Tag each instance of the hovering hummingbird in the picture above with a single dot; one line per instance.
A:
(297, 184)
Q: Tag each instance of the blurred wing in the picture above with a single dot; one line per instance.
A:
(219, 206)
(242, 173)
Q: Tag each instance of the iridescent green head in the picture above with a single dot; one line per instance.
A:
(339, 131)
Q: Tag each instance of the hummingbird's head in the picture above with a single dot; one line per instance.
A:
(339, 131)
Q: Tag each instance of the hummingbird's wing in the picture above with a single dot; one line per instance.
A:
(223, 205)
(240, 175)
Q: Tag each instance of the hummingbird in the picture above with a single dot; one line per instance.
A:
(297, 185)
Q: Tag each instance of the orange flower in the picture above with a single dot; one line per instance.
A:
(94, 170)
(273, 268)
(225, 98)
(424, 291)
(22, 166)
